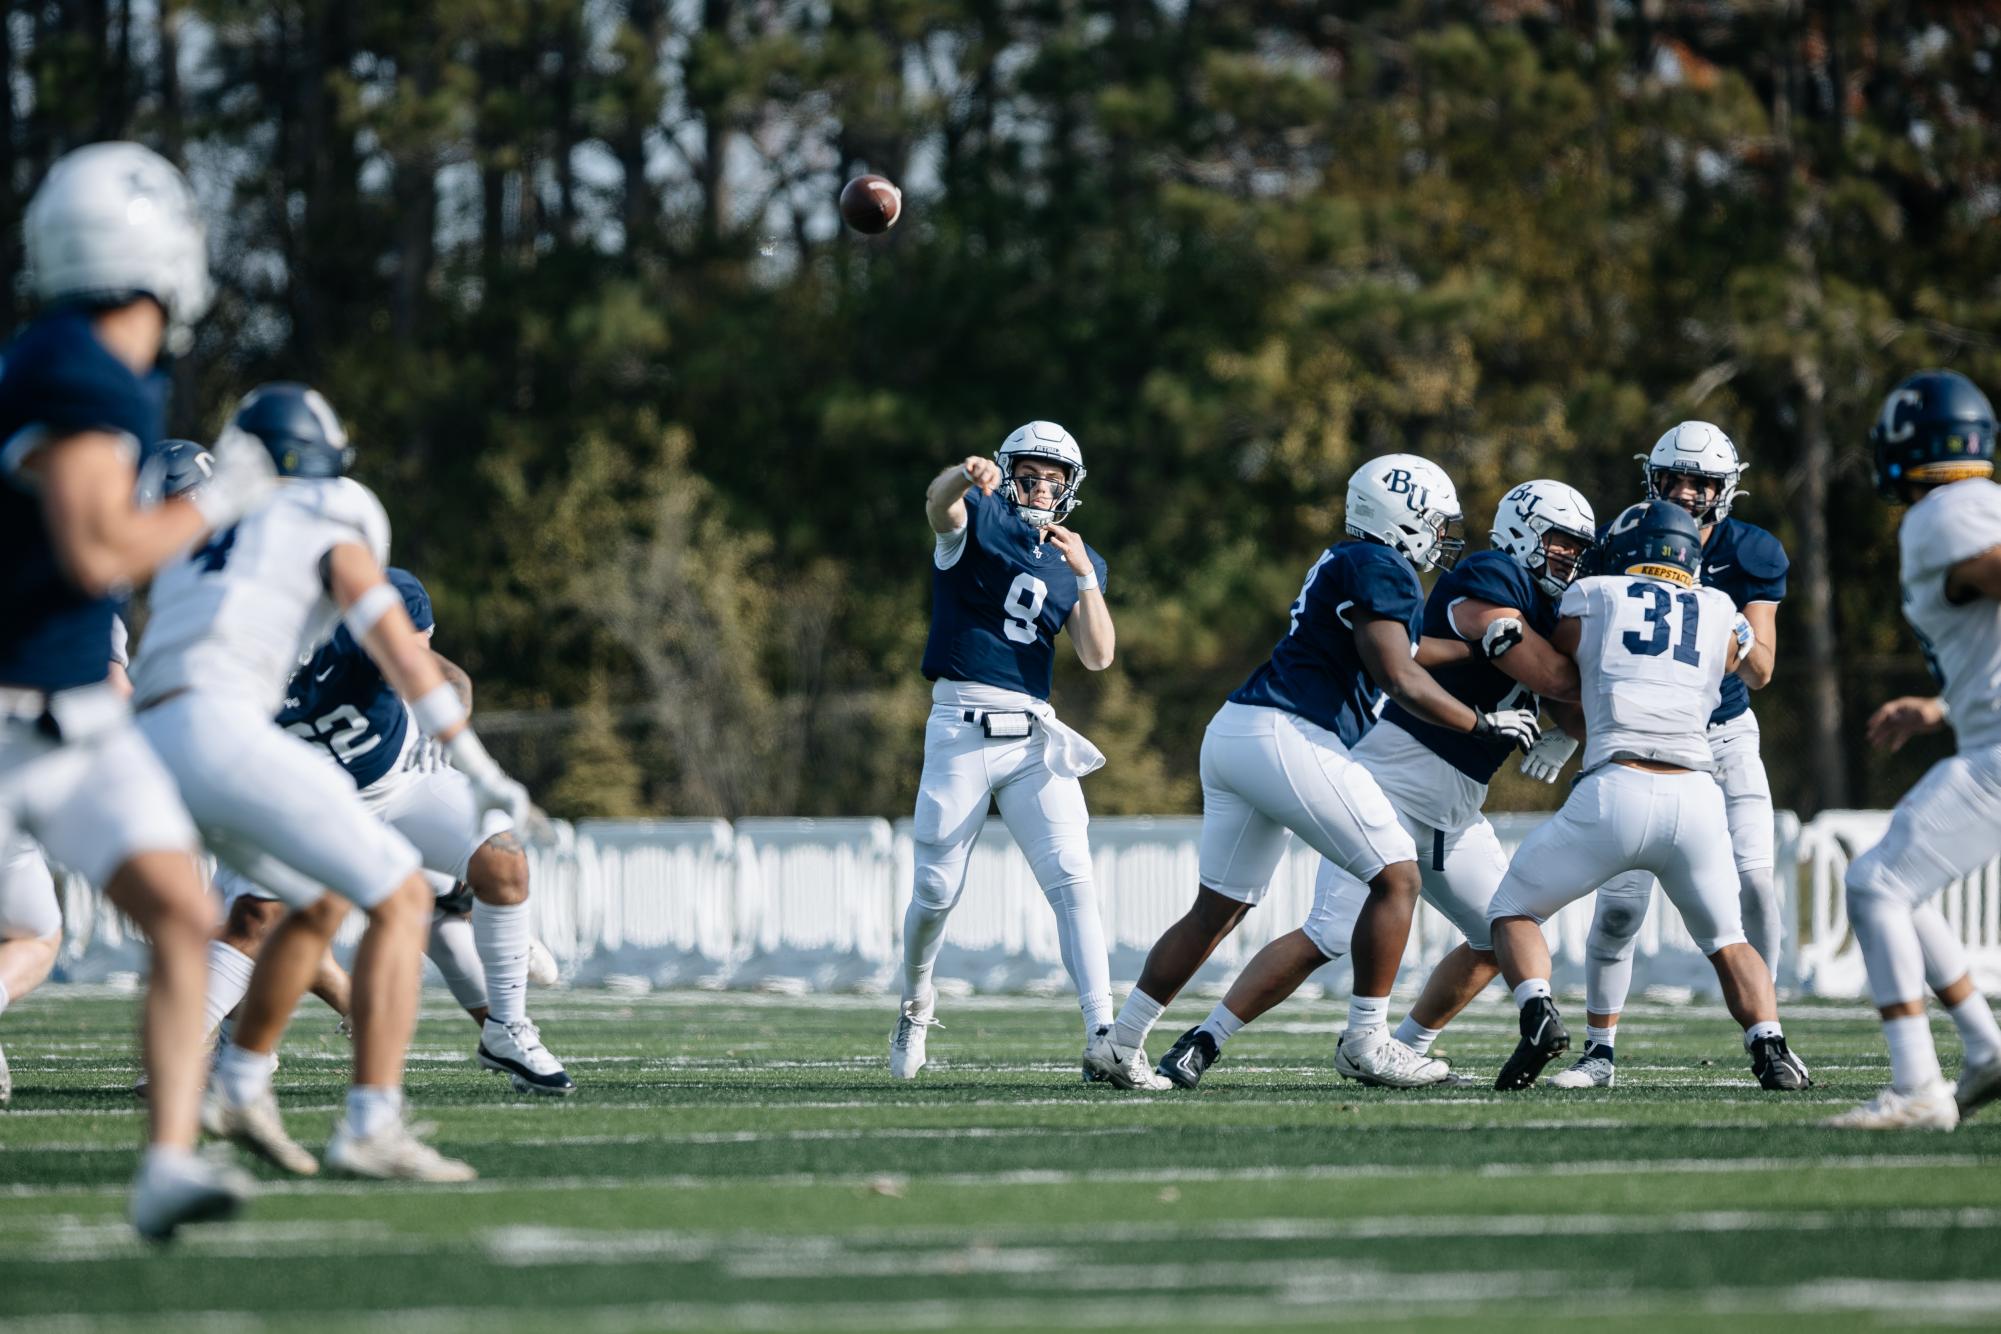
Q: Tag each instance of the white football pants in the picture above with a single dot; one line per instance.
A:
(1946, 827)
(28, 907)
(1623, 901)
(1622, 819)
(963, 768)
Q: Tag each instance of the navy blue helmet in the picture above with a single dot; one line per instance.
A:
(297, 426)
(1936, 426)
(173, 468)
(1656, 539)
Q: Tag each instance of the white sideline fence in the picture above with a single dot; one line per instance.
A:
(817, 905)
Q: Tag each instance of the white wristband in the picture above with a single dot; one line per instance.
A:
(367, 611)
(438, 708)
(1087, 581)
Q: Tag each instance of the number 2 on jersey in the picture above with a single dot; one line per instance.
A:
(1659, 607)
(1022, 605)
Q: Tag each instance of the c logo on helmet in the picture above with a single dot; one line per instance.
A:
(1894, 430)
(1628, 521)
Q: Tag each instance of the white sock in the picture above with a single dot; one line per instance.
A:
(1136, 1019)
(1607, 1038)
(1913, 1058)
(229, 972)
(1979, 1035)
(243, 1076)
(1534, 988)
(166, 1159)
(372, 1109)
(3, 998)
(1416, 1036)
(501, 933)
(1367, 1012)
(1080, 936)
(1221, 1024)
(453, 949)
(923, 936)
(1764, 1028)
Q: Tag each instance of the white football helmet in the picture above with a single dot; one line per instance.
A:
(1532, 511)
(1041, 440)
(114, 221)
(1409, 504)
(1700, 448)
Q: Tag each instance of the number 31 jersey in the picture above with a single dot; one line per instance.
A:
(339, 699)
(1651, 657)
(998, 598)
(237, 614)
(1962, 641)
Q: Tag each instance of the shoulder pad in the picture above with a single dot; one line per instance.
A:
(1490, 576)
(1761, 554)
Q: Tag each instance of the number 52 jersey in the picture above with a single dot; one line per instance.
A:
(235, 615)
(999, 595)
(1651, 656)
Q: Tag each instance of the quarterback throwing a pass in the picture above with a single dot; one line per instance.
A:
(1007, 576)
(1934, 445)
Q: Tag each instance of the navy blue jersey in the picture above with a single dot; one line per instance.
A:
(996, 608)
(57, 380)
(1748, 563)
(1490, 576)
(1315, 671)
(339, 699)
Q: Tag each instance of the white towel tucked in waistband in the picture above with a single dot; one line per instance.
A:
(1067, 752)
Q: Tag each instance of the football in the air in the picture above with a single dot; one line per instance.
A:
(871, 204)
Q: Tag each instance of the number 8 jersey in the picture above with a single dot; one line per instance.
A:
(1651, 656)
(998, 598)
(236, 615)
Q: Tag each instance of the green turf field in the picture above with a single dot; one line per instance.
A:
(744, 1162)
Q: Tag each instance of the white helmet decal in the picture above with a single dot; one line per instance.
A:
(1529, 513)
(116, 220)
(1041, 440)
(1409, 504)
(1701, 449)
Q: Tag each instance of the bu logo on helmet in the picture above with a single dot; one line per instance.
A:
(1399, 482)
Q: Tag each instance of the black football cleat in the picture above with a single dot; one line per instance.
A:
(1776, 1067)
(1544, 1038)
(1189, 1058)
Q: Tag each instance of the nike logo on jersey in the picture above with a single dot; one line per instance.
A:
(321, 676)
(1719, 567)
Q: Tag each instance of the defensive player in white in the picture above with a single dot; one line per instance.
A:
(1695, 465)
(116, 258)
(1652, 646)
(1277, 760)
(1934, 447)
(1007, 576)
(230, 620)
(1436, 777)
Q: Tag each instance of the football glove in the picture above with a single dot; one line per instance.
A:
(243, 476)
(1546, 758)
(493, 789)
(1501, 634)
(1745, 635)
(1517, 727)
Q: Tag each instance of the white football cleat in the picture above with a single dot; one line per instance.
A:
(906, 1044)
(1978, 1086)
(392, 1154)
(1587, 1072)
(173, 1189)
(516, 1051)
(1121, 1066)
(256, 1126)
(1389, 1064)
(542, 970)
(1929, 1108)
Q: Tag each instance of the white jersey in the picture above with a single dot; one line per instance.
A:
(235, 615)
(1962, 643)
(1651, 656)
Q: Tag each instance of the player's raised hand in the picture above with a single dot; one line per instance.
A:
(982, 472)
(1071, 545)
(1546, 758)
(1901, 719)
(1518, 727)
(243, 475)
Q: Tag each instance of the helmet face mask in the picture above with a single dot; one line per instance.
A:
(1694, 449)
(1043, 442)
(1529, 515)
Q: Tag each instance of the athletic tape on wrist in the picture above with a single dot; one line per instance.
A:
(438, 708)
(366, 611)
(1087, 582)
